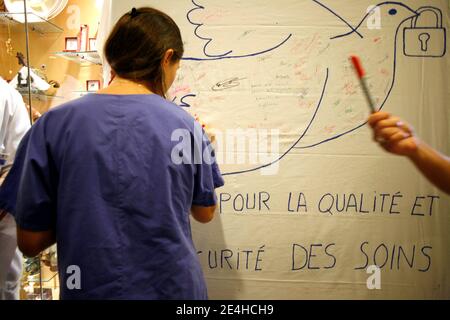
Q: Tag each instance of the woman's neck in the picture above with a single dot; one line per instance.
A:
(122, 86)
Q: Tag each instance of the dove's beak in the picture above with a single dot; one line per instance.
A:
(416, 14)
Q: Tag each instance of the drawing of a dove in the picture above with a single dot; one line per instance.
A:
(306, 86)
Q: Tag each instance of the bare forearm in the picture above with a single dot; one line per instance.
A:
(435, 166)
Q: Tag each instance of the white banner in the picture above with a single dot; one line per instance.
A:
(307, 216)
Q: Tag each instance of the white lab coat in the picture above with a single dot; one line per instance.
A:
(14, 123)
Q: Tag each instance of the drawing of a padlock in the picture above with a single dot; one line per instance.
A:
(425, 41)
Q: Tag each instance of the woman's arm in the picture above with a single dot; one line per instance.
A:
(203, 214)
(435, 166)
(397, 137)
(32, 243)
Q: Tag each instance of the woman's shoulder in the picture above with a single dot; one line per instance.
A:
(94, 106)
(59, 116)
(171, 110)
(70, 104)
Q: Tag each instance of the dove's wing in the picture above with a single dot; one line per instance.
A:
(238, 29)
(344, 108)
(341, 18)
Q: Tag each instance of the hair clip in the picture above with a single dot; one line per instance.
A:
(134, 13)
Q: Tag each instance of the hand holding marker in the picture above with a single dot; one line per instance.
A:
(362, 77)
(385, 143)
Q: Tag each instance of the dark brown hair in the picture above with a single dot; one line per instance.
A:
(137, 44)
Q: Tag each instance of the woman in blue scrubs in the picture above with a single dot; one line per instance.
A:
(101, 176)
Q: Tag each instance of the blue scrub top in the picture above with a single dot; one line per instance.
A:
(98, 171)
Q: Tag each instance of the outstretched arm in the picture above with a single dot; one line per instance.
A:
(397, 137)
(435, 166)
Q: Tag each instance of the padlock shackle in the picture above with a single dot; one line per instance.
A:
(436, 11)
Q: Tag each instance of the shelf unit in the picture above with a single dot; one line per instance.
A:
(12, 24)
(85, 57)
(82, 93)
(38, 95)
(39, 25)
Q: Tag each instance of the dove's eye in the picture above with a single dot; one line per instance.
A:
(393, 12)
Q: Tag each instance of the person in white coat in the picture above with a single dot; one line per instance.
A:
(14, 123)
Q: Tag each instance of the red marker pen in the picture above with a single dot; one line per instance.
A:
(362, 77)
